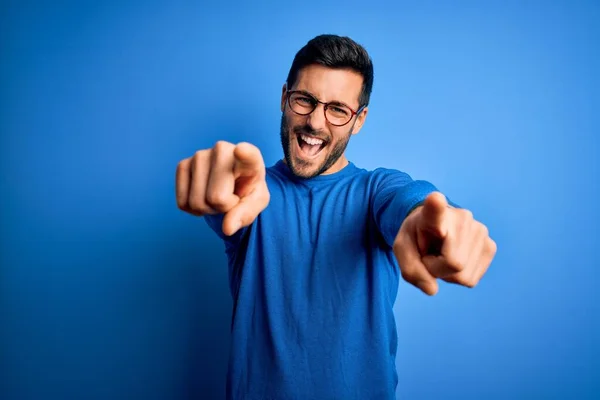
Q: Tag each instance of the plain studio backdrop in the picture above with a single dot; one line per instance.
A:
(108, 291)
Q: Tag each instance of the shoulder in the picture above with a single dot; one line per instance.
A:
(389, 182)
(382, 173)
(382, 178)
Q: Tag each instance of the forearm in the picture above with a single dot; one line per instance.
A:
(394, 204)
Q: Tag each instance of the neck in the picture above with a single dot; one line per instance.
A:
(338, 166)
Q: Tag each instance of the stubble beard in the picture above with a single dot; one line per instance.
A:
(301, 168)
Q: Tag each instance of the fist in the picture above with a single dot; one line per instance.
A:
(227, 179)
(438, 241)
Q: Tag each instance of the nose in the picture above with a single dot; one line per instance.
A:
(316, 119)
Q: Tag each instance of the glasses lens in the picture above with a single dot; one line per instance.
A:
(338, 114)
(302, 104)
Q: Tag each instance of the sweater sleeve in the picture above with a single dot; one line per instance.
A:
(215, 222)
(394, 196)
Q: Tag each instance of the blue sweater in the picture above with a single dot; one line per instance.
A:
(313, 281)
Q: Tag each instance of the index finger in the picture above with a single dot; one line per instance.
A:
(248, 161)
(433, 213)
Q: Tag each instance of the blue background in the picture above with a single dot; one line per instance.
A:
(108, 291)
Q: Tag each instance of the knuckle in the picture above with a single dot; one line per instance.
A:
(408, 271)
(198, 161)
(196, 204)
(493, 247)
(222, 153)
(251, 155)
(456, 265)
(471, 283)
(182, 203)
(203, 210)
(246, 146)
(463, 280)
(200, 154)
(183, 168)
(484, 230)
(407, 274)
(221, 146)
(466, 214)
(216, 198)
(196, 209)
(398, 245)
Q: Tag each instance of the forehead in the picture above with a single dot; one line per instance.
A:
(329, 84)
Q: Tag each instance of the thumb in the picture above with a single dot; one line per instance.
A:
(246, 211)
(412, 268)
(433, 215)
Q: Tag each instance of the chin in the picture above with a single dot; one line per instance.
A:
(307, 153)
(303, 164)
(305, 168)
(305, 172)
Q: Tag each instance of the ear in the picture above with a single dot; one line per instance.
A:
(360, 121)
(283, 96)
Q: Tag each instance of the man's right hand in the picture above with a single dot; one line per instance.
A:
(227, 179)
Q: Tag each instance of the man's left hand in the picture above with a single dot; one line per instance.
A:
(439, 241)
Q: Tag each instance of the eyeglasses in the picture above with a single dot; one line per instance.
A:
(336, 113)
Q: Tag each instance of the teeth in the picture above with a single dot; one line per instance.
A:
(312, 141)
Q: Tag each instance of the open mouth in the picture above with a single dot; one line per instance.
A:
(310, 146)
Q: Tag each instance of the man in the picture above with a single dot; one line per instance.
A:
(316, 245)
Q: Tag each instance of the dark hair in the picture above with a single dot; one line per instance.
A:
(337, 52)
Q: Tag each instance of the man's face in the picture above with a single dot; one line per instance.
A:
(312, 145)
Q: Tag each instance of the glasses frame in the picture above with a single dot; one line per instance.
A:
(289, 94)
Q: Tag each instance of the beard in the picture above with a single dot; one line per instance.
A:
(306, 169)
